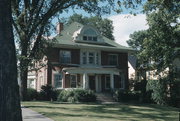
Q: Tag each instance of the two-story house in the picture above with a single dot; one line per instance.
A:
(80, 57)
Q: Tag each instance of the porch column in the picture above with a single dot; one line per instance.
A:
(96, 81)
(85, 81)
(112, 80)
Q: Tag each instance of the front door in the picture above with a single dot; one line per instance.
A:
(92, 84)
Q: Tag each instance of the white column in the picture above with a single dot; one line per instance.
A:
(112, 80)
(85, 81)
(96, 81)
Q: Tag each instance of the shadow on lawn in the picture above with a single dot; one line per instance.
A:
(108, 111)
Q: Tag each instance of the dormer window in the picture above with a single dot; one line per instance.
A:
(89, 35)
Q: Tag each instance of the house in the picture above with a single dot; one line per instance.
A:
(136, 73)
(80, 57)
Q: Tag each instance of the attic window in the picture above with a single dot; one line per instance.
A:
(90, 35)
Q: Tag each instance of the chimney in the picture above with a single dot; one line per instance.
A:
(59, 27)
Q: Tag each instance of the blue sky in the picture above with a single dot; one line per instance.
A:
(124, 23)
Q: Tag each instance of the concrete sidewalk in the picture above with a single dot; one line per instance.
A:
(30, 115)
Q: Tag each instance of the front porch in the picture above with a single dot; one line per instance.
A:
(99, 80)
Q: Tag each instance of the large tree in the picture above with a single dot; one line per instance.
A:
(158, 46)
(104, 26)
(9, 90)
(32, 17)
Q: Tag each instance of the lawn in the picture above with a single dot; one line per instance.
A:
(102, 112)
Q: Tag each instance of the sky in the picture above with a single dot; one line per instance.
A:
(124, 23)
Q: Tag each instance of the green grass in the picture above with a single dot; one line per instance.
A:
(102, 112)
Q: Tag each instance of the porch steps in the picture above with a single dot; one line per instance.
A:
(104, 97)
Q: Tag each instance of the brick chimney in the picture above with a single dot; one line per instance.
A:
(59, 27)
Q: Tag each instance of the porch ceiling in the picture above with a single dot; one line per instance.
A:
(115, 71)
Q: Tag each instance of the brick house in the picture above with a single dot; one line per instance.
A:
(80, 57)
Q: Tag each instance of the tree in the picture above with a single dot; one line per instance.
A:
(9, 90)
(158, 45)
(104, 26)
(31, 19)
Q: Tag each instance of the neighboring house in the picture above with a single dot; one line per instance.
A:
(31, 80)
(80, 57)
(139, 74)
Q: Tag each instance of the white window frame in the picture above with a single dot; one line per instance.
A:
(116, 59)
(96, 57)
(107, 80)
(75, 80)
(61, 52)
(61, 80)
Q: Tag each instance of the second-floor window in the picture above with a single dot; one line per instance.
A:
(90, 58)
(113, 59)
(65, 56)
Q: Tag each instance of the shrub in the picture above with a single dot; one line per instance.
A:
(158, 88)
(31, 94)
(47, 93)
(126, 96)
(77, 95)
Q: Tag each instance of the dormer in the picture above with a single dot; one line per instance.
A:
(88, 34)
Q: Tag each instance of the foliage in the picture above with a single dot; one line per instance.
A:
(103, 25)
(47, 93)
(77, 95)
(159, 90)
(32, 94)
(126, 96)
(175, 94)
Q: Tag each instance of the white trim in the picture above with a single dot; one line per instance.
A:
(95, 53)
(112, 81)
(96, 83)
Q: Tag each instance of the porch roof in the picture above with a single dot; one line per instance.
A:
(76, 70)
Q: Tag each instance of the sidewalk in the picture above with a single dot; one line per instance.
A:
(30, 115)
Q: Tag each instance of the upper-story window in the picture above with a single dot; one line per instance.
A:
(113, 59)
(89, 35)
(65, 56)
(90, 58)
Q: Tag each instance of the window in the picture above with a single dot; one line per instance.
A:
(97, 58)
(90, 35)
(107, 82)
(73, 81)
(84, 58)
(65, 56)
(58, 80)
(113, 59)
(91, 58)
(90, 38)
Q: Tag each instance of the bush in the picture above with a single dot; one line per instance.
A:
(158, 88)
(77, 95)
(31, 94)
(126, 96)
(47, 93)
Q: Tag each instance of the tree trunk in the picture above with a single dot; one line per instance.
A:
(23, 79)
(9, 91)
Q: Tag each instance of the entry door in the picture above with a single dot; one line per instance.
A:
(92, 84)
